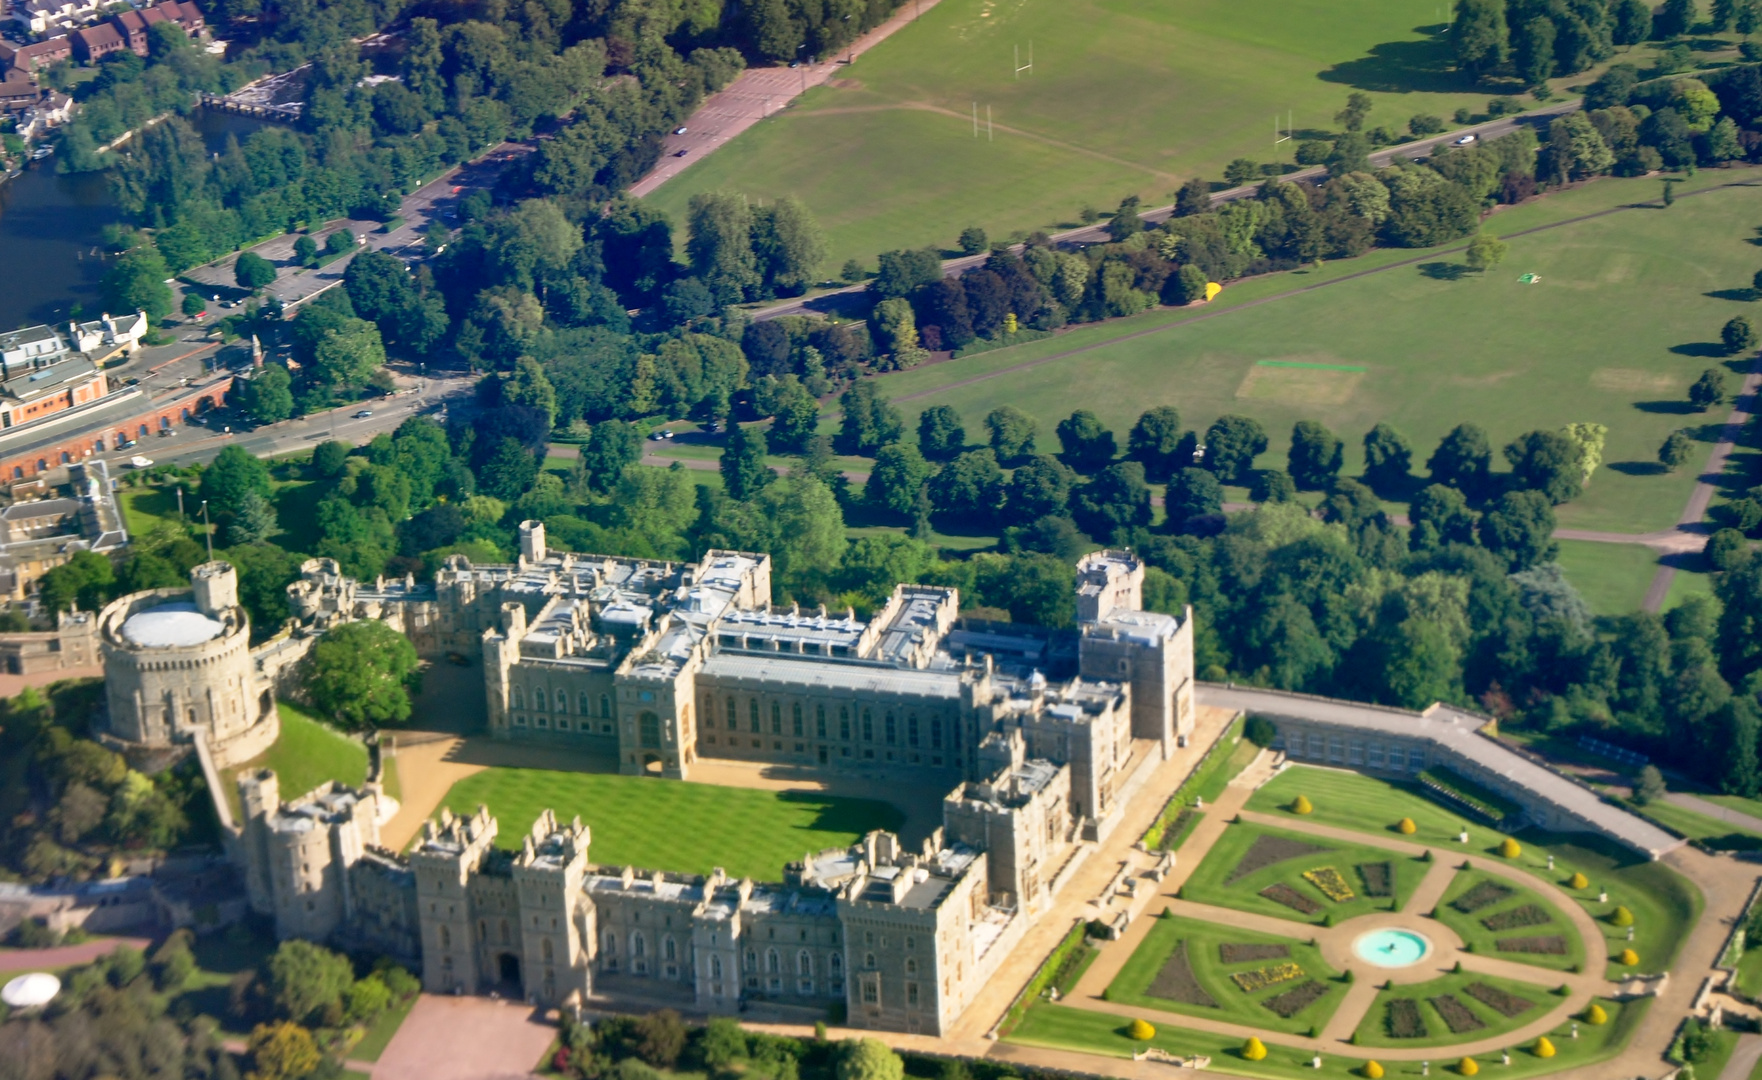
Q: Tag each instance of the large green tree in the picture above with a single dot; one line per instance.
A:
(361, 675)
(1315, 456)
(234, 473)
(1155, 440)
(1231, 445)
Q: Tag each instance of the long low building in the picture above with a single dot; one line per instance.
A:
(1400, 743)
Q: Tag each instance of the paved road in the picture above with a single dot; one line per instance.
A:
(754, 95)
(1743, 1060)
(1093, 234)
(65, 955)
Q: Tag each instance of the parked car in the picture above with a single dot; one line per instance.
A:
(1465, 140)
(364, 414)
(139, 462)
(678, 131)
(681, 153)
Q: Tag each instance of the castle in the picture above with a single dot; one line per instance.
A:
(1039, 735)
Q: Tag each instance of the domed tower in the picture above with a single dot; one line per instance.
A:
(177, 663)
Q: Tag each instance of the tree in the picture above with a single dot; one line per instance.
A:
(894, 327)
(1673, 19)
(940, 434)
(1676, 450)
(1358, 106)
(530, 388)
(1087, 445)
(1633, 22)
(1463, 460)
(1231, 445)
(1708, 390)
(1546, 461)
(1479, 37)
(340, 242)
(1650, 787)
(1186, 285)
(660, 1038)
(173, 962)
(282, 1051)
(1125, 222)
(611, 447)
(868, 1059)
(1272, 486)
(902, 272)
(1440, 516)
(1520, 526)
(252, 271)
(973, 241)
(1350, 153)
(268, 396)
(1315, 456)
(1155, 440)
(136, 282)
(361, 675)
(1241, 171)
(743, 466)
(1532, 45)
(83, 580)
(719, 244)
(788, 246)
(306, 981)
(1194, 197)
(1738, 335)
(1193, 493)
(1387, 458)
(1116, 501)
(254, 521)
(1485, 251)
(1040, 487)
(305, 250)
(1588, 440)
(970, 487)
(870, 421)
(348, 354)
(1575, 150)
(1727, 549)
(899, 474)
(234, 472)
(1012, 433)
(330, 457)
(193, 304)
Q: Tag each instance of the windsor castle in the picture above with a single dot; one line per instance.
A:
(1040, 737)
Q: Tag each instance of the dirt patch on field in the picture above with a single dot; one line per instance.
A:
(846, 84)
(1634, 381)
(1300, 385)
(1494, 379)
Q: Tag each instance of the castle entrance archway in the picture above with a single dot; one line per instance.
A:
(509, 969)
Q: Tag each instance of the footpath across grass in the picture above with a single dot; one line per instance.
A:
(689, 828)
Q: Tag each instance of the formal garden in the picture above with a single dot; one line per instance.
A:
(1288, 876)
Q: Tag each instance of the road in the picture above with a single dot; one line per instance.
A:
(1097, 233)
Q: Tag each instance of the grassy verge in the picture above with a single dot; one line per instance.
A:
(1047, 976)
(379, 1033)
(306, 754)
(1716, 834)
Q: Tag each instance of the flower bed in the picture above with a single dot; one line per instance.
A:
(1457, 1016)
(1403, 1019)
(1267, 851)
(1331, 883)
(1281, 893)
(1517, 917)
(1176, 982)
(1296, 999)
(1485, 894)
(1263, 977)
(1242, 954)
(1504, 1003)
(1378, 878)
(1547, 945)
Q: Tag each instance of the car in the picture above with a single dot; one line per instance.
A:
(681, 153)
(657, 436)
(139, 462)
(1464, 141)
(678, 131)
(364, 414)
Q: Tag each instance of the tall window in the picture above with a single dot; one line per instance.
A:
(889, 722)
(669, 949)
(868, 726)
(605, 707)
(752, 713)
(538, 697)
(733, 716)
(936, 733)
(804, 963)
(715, 967)
(795, 715)
(546, 948)
(638, 947)
(773, 963)
(819, 721)
(519, 698)
(776, 718)
(844, 722)
(446, 937)
(649, 730)
(911, 731)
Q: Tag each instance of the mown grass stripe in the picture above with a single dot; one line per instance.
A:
(1307, 364)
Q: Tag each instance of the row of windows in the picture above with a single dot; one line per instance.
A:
(1356, 752)
(773, 958)
(561, 702)
(734, 744)
(563, 723)
(890, 728)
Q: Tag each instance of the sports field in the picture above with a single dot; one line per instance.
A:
(1125, 96)
(657, 825)
(1625, 316)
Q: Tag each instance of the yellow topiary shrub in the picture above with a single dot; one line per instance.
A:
(1578, 880)
(1372, 1071)
(1302, 805)
(1510, 848)
(1254, 1049)
(1468, 1066)
(1141, 1030)
(1406, 827)
(1621, 916)
(1596, 1014)
(1543, 1048)
(1628, 958)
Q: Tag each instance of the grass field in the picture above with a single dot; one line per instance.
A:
(1374, 1029)
(1664, 904)
(1132, 986)
(690, 828)
(1126, 96)
(1063, 1027)
(1710, 830)
(1210, 882)
(1625, 317)
(1612, 577)
(306, 753)
(1480, 940)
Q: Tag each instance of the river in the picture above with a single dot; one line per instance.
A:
(52, 230)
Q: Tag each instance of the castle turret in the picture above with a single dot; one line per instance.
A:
(216, 588)
(532, 542)
(444, 861)
(548, 875)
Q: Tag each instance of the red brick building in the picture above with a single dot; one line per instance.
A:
(94, 43)
(29, 58)
(102, 427)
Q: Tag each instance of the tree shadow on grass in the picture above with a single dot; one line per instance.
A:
(1742, 296)
(1674, 408)
(1710, 349)
(840, 813)
(1636, 468)
(1404, 66)
(1444, 271)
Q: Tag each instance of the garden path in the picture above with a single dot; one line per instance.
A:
(1743, 1060)
(1714, 810)
(1431, 888)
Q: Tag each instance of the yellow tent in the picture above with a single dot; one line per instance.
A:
(1212, 288)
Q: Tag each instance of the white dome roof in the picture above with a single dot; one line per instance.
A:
(28, 991)
(170, 625)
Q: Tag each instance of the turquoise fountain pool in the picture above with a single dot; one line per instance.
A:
(1392, 948)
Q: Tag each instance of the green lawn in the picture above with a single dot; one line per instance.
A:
(1749, 975)
(1665, 905)
(1133, 985)
(145, 507)
(1623, 320)
(379, 1034)
(1374, 1030)
(1126, 96)
(307, 753)
(690, 828)
(1612, 577)
(1712, 1063)
(1227, 758)
(1210, 882)
(1715, 833)
(1753, 807)
(1066, 1028)
(1474, 934)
